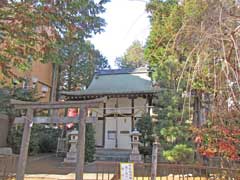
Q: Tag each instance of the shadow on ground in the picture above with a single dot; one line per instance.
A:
(50, 164)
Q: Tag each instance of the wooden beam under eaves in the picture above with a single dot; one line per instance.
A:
(56, 105)
(48, 120)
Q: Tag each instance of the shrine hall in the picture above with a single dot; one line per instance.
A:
(129, 94)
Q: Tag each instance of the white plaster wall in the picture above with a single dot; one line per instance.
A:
(99, 133)
(141, 106)
(124, 123)
(97, 112)
(124, 105)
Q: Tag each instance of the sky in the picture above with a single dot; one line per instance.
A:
(126, 21)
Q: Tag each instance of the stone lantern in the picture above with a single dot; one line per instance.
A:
(135, 155)
(72, 153)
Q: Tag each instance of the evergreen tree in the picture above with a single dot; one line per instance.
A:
(78, 71)
(172, 108)
(192, 46)
(145, 126)
(42, 30)
(90, 148)
(133, 57)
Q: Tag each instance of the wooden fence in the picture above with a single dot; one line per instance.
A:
(110, 171)
(7, 166)
(142, 171)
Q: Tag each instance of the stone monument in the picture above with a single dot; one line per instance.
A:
(72, 153)
(135, 156)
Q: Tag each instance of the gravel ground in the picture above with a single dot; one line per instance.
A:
(50, 164)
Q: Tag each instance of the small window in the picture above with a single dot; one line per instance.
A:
(124, 132)
(111, 135)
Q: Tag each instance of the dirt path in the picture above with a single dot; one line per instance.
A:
(50, 164)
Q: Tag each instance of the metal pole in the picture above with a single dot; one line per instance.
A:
(154, 160)
(22, 161)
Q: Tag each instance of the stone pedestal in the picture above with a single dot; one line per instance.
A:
(5, 150)
(72, 153)
(135, 156)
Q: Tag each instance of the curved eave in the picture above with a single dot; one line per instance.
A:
(88, 95)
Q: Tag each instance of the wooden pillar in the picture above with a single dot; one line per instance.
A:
(104, 123)
(197, 110)
(81, 143)
(149, 104)
(115, 117)
(132, 112)
(154, 160)
(53, 96)
(22, 161)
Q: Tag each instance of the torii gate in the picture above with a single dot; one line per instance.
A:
(28, 120)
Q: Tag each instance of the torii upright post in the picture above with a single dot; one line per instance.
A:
(154, 159)
(24, 146)
(81, 143)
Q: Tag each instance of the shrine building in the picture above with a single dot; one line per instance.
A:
(129, 95)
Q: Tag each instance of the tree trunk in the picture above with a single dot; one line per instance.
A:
(55, 78)
(53, 98)
(69, 78)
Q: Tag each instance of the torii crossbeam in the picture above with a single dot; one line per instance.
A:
(29, 120)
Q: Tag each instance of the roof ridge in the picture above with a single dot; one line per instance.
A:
(122, 71)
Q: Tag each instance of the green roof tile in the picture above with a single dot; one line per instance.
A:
(117, 82)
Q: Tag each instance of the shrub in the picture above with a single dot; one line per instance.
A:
(89, 143)
(42, 139)
(180, 153)
(48, 140)
(145, 127)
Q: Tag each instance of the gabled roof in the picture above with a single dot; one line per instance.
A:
(118, 81)
(122, 71)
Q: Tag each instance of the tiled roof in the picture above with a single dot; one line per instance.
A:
(122, 81)
(122, 71)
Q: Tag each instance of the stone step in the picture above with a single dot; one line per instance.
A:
(112, 151)
(112, 155)
(112, 158)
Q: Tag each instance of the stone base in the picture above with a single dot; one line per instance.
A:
(137, 158)
(71, 157)
(6, 150)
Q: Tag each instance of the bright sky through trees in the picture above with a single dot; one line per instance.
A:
(126, 21)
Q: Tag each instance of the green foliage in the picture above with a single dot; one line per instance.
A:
(44, 30)
(173, 127)
(26, 36)
(191, 47)
(4, 101)
(42, 139)
(181, 153)
(145, 127)
(194, 9)
(164, 25)
(48, 140)
(173, 111)
(14, 93)
(89, 143)
(78, 71)
(133, 57)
